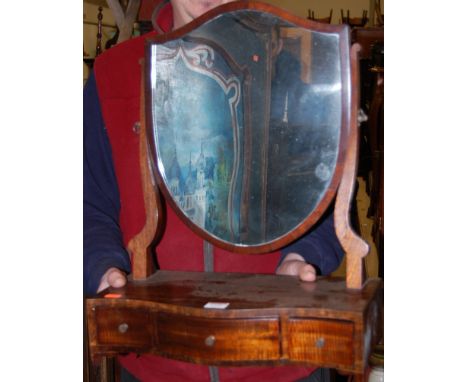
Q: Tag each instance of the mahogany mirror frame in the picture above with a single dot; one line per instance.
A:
(346, 103)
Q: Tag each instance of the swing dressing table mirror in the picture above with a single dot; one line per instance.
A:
(250, 133)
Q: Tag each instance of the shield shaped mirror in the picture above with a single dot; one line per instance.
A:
(248, 116)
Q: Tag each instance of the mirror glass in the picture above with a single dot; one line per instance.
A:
(246, 120)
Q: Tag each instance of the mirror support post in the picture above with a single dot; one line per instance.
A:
(140, 246)
(354, 246)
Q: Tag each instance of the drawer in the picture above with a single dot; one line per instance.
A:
(123, 327)
(324, 342)
(217, 340)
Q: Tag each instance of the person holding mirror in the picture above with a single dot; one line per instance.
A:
(114, 210)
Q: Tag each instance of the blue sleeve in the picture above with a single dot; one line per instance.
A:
(102, 239)
(319, 247)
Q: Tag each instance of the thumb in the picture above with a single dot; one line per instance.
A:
(307, 273)
(116, 278)
(113, 277)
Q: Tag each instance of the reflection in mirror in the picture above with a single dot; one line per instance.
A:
(246, 114)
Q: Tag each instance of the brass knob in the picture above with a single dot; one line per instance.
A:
(123, 328)
(320, 343)
(210, 340)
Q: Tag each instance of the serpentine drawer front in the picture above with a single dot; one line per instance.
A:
(123, 327)
(321, 341)
(208, 340)
(267, 319)
(215, 339)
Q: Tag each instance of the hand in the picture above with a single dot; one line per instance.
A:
(113, 277)
(295, 265)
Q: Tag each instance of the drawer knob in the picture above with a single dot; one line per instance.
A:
(320, 343)
(210, 340)
(123, 328)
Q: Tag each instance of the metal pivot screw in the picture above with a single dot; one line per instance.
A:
(210, 340)
(136, 127)
(320, 343)
(123, 328)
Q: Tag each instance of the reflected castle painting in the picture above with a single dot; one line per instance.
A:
(197, 142)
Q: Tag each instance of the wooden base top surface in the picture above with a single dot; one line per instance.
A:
(269, 319)
(244, 292)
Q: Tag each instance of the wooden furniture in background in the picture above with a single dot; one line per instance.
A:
(269, 319)
(376, 130)
(379, 13)
(354, 21)
(372, 142)
(367, 38)
(326, 20)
